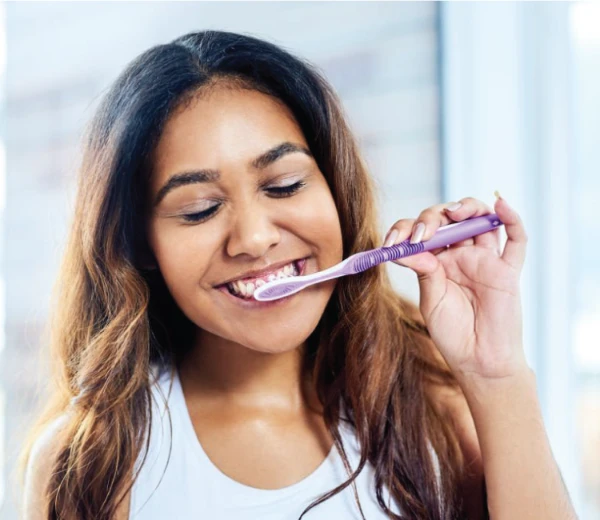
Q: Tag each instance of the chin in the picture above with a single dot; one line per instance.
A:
(274, 343)
(276, 331)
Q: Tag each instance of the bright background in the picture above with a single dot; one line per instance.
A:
(448, 100)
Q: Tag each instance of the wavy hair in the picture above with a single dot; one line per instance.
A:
(112, 320)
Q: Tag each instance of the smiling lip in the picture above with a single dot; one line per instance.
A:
(258, 273)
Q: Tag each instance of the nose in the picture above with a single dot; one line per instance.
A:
(253, 232)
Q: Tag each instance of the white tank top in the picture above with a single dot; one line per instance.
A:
(190, 487)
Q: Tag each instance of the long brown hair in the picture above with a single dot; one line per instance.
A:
(370, 356)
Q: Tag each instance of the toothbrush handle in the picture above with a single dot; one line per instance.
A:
(444, 236)
(469, 228)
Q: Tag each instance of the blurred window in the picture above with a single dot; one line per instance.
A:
(585, 35)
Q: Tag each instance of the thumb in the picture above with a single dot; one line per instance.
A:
(432, 279)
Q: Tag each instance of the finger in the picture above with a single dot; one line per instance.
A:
(470, 208)
(430, 272)
(516, 243)
(429, 221)
(431, 277)
(440, 215)
(398, 232)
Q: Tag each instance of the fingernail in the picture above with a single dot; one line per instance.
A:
(497, 193)
(454, 207)
(390, 237)
(418, 234)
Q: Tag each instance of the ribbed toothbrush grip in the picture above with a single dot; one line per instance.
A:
(367, 260)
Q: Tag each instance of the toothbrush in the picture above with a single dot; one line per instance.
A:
(359, 262)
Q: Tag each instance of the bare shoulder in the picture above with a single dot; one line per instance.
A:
(454, 407)
(37, 475)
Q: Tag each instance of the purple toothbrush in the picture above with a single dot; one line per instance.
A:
(359, 262)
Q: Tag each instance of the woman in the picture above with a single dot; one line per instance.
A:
(213, 162)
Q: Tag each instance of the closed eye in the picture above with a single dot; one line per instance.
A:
(285, 191)
(202, 215)
(278, 192)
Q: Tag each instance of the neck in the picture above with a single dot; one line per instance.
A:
(230, 373)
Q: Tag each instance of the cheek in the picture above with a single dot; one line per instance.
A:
(320, 224)
(182, 253)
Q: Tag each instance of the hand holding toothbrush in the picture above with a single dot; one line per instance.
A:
(469, 289)
(469, 292)
(469, 298)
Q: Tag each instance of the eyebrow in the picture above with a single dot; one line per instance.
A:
(207, 175)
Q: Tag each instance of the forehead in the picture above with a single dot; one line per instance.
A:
(221, 128)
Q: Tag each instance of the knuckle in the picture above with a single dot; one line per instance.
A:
(427, 214)
(405, 223)
(472, 201)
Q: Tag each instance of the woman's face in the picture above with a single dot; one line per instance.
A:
(230, 216)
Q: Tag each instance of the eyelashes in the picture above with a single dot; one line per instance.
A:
(276, 192)
(202, 215)
(284, 191)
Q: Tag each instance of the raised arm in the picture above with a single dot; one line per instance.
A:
(522, 477)
(470, 301)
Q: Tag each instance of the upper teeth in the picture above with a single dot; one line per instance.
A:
(246, 287)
